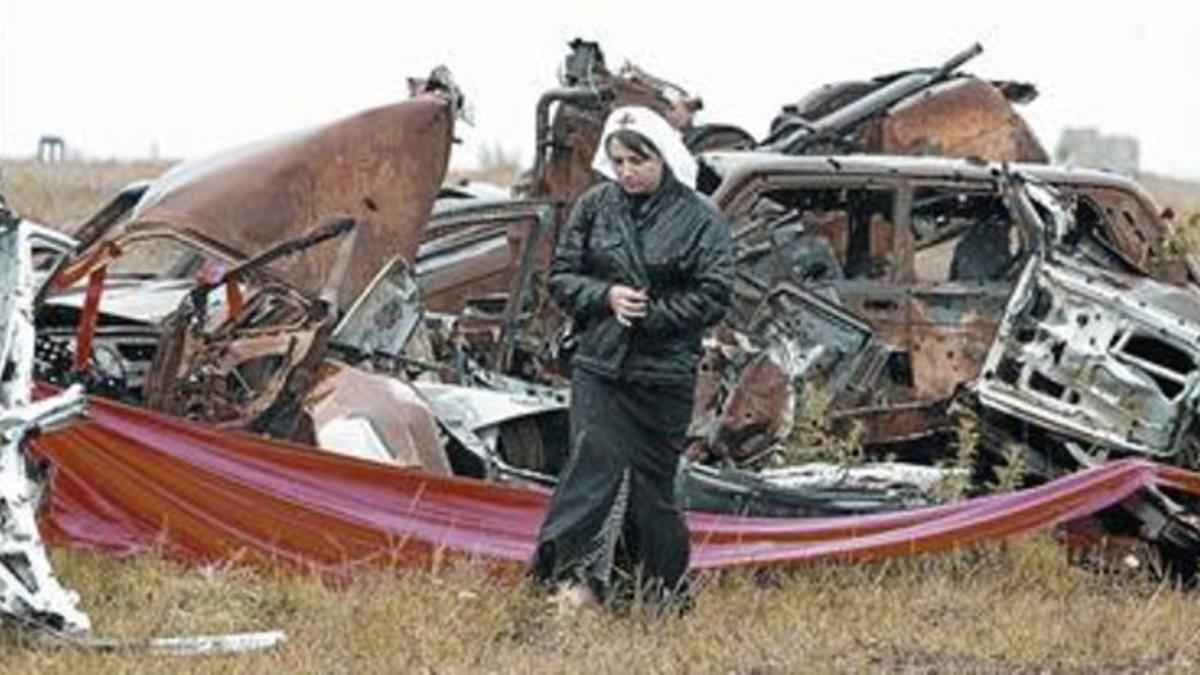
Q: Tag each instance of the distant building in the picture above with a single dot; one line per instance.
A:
(1087, 147)
(51, 149)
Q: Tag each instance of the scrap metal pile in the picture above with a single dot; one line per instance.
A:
(908, 269)
(29, 592)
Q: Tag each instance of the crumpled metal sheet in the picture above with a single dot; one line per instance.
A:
(29, 592)
(1105, 358)
(965, 117)
(382, 167)
(129, 480)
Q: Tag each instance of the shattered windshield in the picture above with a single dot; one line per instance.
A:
(383, 319)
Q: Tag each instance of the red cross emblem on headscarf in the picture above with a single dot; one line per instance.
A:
(626, 120)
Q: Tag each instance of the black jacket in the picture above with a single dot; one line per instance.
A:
(686, 265)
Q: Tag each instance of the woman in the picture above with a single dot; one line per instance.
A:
(643, 267)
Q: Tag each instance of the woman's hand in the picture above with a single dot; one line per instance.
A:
(626, 303)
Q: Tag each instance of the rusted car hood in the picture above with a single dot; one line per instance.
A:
(383, 167)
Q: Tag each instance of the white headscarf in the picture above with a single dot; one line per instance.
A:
(651, 125)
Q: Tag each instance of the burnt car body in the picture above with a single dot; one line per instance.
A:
(938, 111)
(913, 292)
(925, 252)
(886, 281)
(932, 111)
(232, 261)
(302, 317)
(867, 241)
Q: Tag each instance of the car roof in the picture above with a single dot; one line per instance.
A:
(729, 163)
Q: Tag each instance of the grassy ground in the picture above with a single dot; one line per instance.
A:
(60, 194)
(1018, 608)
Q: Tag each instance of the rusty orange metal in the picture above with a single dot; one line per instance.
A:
(88, 319)
(400, 419)
(965, 117)
(382, 167)
(73, 273)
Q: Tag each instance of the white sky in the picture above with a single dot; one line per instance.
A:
(116, 77)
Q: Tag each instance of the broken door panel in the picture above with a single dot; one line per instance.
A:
(1106, 359)
(966, 249)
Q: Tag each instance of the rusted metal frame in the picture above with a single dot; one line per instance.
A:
(1028, 224)
(753, 181)
(107, 251)
(798, 182)
(506, 345)
(918, 329)
(902, 220)
(896, 422)
(330, 230)
(77, 270)
(1118, 243)
(88, 319)
(903, 191)
(460, 226)
(544, 140)
(203, 361)
(899, 223)
(276, 408)
(753, 187)
(300, 302)
(804, 133)
(1114, 207)
(1085, 287)
(476, 227)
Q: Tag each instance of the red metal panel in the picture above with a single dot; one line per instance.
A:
(130, 480)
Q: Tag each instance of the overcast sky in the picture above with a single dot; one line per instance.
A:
(117, 78)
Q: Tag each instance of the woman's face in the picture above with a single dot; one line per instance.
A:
(638, 175)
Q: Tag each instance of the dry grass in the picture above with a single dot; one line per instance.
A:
(60, 194)
(1020, 607)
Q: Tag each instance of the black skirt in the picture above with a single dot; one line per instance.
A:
(615, 518)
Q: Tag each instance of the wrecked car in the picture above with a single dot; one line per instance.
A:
(303, 317)
(248, 259)
(938, 111)
(889, 259)
(477, 251)
(882, 281)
